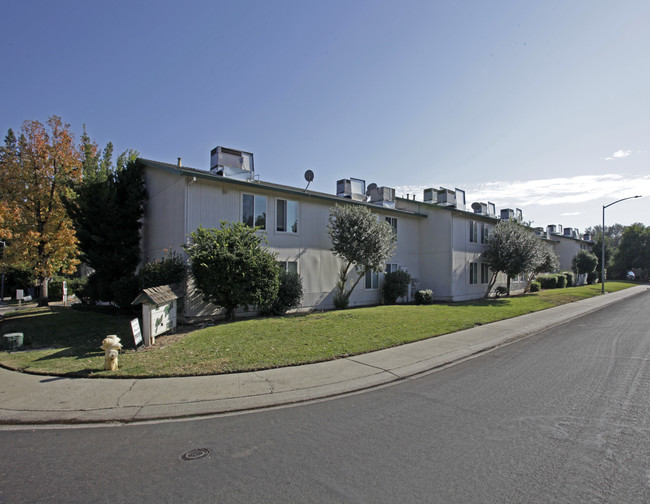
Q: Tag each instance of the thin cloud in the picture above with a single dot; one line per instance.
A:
(547, 192)
(619, 154)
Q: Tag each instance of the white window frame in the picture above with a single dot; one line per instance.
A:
(473, 273)
(485, 273)
(393, 223)
(284, 223)
(473, 231)
(256, 200)
(372, 278)
(287, 266)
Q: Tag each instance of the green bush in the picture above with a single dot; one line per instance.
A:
(561, 281)
(125, 290)
(169, 270)
(340, 301)
(55, 287)
(592, 277)
(424, 297)
(547, 281)
(534, 287)
(289, 294)
(570, 278)
(396, 285)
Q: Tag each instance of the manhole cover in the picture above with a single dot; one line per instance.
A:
(196, 454)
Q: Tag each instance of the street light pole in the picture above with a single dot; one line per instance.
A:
(602, 257)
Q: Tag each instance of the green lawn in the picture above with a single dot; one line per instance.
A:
(65, 341)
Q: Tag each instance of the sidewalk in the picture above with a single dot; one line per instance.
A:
(32, 399)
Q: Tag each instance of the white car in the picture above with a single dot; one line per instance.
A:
(630, 275)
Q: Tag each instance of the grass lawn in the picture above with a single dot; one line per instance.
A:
(66, 342)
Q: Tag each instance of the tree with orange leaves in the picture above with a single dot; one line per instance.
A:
(36, 172)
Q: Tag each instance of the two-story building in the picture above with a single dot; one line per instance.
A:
(439, 241)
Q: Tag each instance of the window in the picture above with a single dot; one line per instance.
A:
(254, 210)
(390, 268)
(485, 273)
(478, 232)
(289, 266)
(287, 216)
(484, 232)
(473, 232)
(473, 273)
(372, 280)
(393, 223)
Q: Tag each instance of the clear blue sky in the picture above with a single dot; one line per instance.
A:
(543, 106)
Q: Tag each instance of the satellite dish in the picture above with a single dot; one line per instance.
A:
(309, 176)
(476, 207)
(371, 187)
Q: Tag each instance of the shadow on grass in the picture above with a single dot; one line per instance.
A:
(75, 352)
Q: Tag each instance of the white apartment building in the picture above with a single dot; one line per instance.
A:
(439, 242)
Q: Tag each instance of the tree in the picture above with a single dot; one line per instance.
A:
(514, 249)
(613, 235)
(362, 242)
(584, 262)
(107, 209)
(232, 268)
(634, 248)
(37, 171)
(544, 261)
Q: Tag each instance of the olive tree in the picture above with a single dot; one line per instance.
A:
(232, 268)
(514, 249)
(584, 262)
(362, 241)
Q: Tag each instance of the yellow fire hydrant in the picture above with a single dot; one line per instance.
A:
(111, 346)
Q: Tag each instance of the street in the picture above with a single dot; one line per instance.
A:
(561, 416)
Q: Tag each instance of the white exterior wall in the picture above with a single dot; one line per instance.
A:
(179, 204)
(164, 214)
(566, 249)
(433, 242)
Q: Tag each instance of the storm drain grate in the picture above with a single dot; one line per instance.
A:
(197, 453)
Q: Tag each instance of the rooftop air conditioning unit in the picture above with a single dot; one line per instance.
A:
(480, 208)
(382, 196)
(507, 213)
(232, 163)
(351, 188)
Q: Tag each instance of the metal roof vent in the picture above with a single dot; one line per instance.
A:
(382, 196)
(351, 188)
(232, 163)
(445, 197)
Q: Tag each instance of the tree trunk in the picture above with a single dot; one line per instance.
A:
(43, 295)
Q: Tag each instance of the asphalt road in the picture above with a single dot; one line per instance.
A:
(562, 416)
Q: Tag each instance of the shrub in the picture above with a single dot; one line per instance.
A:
(289, 294)
(561, 281)
(125, 290)
(424, 297)
(75, 286)
(570, 278)
(547, 281)
(341, 301)
(534, 287)
(592, 277)
(500, 291)
(169, 270)
(396, 285)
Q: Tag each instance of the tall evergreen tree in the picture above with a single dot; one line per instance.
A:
(107, 212)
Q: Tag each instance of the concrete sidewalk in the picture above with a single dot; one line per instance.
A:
(33, 399)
